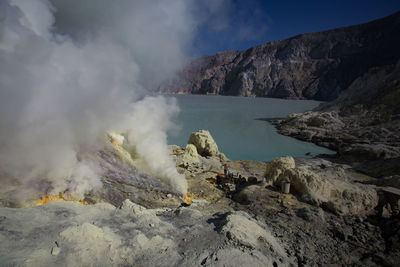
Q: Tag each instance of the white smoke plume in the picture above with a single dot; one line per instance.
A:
(70, 71)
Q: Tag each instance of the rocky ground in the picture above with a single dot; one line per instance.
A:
(363, 124)
(330, 217)
(333, 215)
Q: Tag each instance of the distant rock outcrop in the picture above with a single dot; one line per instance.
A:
(332, 193)
(308, 66)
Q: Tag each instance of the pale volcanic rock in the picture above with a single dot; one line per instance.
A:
(190, 153)
(277, 166)
(341, 197)
(204, 143)
(71, 234)
(330, 188)
(188, 157)
(240, 228)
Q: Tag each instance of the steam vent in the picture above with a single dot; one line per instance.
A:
(199, 133)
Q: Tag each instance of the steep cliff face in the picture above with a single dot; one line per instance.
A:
(308, 66)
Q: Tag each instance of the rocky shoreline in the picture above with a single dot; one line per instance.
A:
(362, 125)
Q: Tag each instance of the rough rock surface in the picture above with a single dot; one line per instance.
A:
(363, 124)
(120, 178)
(204, 143)
(237, 228)
(240, 221)
(332, 193)
(308, 66)
(99, 235)
(190, 153)
(277, 166)
(337, 196)
(188, 157)
(314, 236)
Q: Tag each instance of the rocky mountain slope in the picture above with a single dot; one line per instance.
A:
(363, 124)
(308, 66)
(329, 218)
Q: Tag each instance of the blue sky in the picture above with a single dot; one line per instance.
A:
(241, 24)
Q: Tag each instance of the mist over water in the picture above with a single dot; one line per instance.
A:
(238, 125)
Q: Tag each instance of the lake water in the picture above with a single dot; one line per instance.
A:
(235, 124)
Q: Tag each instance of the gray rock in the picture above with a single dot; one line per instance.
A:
(308, 66)
(204, 143)
(241, 229)
(311, 215)
(277, 166)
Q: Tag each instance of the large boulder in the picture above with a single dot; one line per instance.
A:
(243, 230)
(277, 166)
(204, 143)
(338, 196)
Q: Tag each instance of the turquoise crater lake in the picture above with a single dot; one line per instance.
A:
(239, 126)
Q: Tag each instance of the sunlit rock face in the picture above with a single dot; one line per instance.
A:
(204, 143)
(330, 188)
(188, 157)
(277, 166)
(308, 66)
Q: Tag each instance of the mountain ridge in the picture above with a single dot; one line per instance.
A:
(316, 65)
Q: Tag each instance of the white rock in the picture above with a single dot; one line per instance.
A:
(91, 244)
(240, 228)
(188, 157)
(190, 153)
(341, 197)
(204, 143)
(277, 166)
